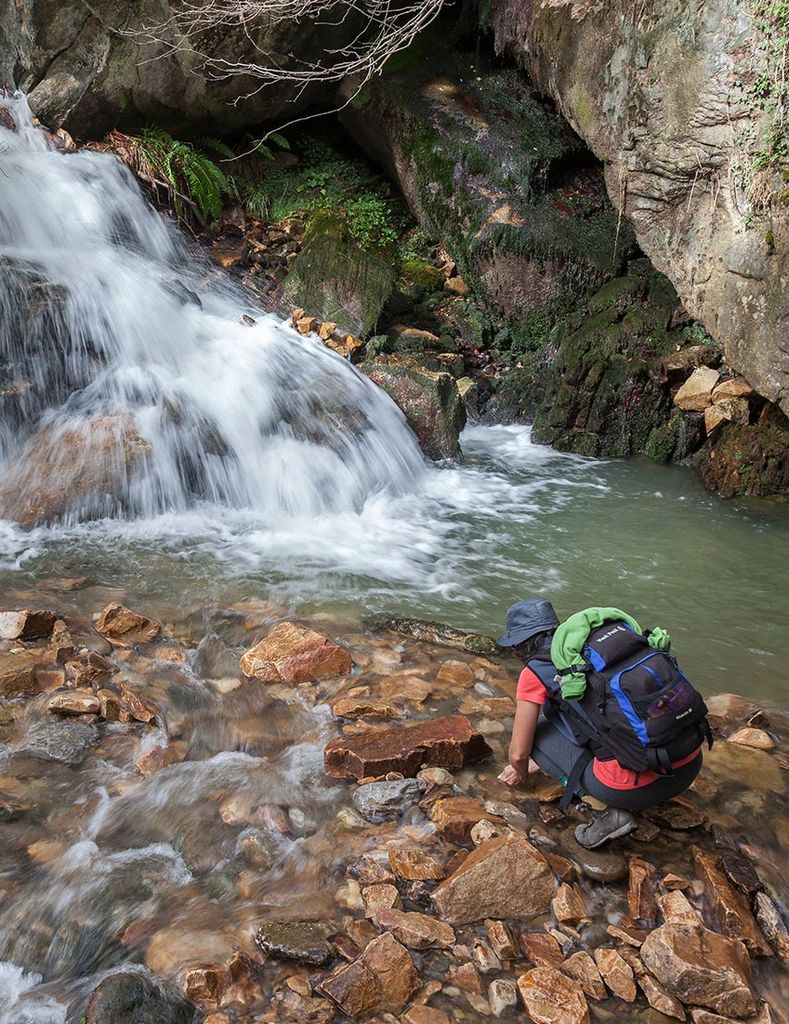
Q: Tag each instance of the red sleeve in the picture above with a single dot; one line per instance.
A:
(530, 688)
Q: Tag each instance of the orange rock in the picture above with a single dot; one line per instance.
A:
(295, 654)
(18, 675)
(505, 877)
(417, 931)
(616, 973)
(26, 624)
(569, 904)
(160, 757)
(134, 707)
(456, 816)
(582, 968)
(348, 707)
(381, 980)
(550, 997)
(730, 907)
(541, 948)
(88, 669)
(641, 890)
(749, 737)
(125, 628)
(74, 702)
(447, 742)
(415, 865)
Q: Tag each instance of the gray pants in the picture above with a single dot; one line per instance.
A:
(556, 755)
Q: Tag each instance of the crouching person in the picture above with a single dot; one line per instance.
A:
(603, 708)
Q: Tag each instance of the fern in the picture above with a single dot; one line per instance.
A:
(189, 175)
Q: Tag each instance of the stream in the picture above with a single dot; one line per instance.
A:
(278, 481)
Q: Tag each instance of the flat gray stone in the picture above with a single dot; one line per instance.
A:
(387, 801)
(67, 742)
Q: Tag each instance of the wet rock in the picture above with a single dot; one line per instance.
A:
(676, 909)
(295, 654)
(492, 707)
(449, 742)
(600, 865)
(465, 976)
(730, 907)
(741, 873)
(214, 659)
(414, 865)
(160, 757)
(109, 704)
(304, 942)
(502, 996)
(17, 675)
(381, 980)
(696, 393)
(89, 668)
(355, 707)
(658, 998)
(569, 904)
(74, 702)
(429, 400)
(750, 737)
(728, 711)
(582, 968)
(125, 628)
(61, 643)
(456, 817)
(425, 1015)
(67, 742)
(501, 941)
(505, 877)
(417, 931)
(436, 777)
(485, 958)
(672, 881)
(699, 1016)
(550, 997)
(542, 949)
(627, 933)
(26, 625)
(436, 633)
(616, 973)
(680, 813)
(136, 997)
(641, 890)
(701, 968)
(387, 801)
(135, 708)
(371, 868)
(380, 896)
(772, 924)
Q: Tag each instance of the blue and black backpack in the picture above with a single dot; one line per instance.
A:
(638, 708)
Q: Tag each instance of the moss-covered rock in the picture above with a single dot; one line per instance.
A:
(429, 400)
(336, 280)
(489, 170)
(600, 387)
(748, 459)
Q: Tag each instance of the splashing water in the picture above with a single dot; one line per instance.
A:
(130, 384)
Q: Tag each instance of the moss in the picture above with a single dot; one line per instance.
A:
(422, 274)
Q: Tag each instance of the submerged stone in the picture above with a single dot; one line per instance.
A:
(304, 942)
(68, 742)
(387, 801)
(136, 997)
(381, 980)
(125, 628)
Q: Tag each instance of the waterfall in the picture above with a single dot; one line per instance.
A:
(129, 383)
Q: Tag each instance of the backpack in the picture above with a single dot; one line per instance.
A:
(638, 708)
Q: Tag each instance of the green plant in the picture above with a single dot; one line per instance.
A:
(192, 178)
(327, 183)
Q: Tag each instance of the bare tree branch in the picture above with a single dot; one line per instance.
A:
(377, 29)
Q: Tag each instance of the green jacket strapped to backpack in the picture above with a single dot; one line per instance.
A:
(570, 637)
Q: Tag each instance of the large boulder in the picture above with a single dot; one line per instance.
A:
(505, 877)
(89, 69)
(701, 968)
(429, 400)
(448, 742)
(661, 95)
(494, 174)
(748, 459)
(82, 467)
(335, 279)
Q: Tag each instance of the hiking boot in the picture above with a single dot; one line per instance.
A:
(605, 826)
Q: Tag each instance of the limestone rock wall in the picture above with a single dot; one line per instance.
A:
(84, 68)
(663, 92)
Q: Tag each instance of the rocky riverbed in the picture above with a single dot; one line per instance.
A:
(233, 817)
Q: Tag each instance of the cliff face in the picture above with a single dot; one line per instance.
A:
(85, 66)
(671, 97)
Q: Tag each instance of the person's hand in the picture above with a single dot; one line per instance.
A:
(510, 776)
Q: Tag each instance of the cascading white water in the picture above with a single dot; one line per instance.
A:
(130, 385)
